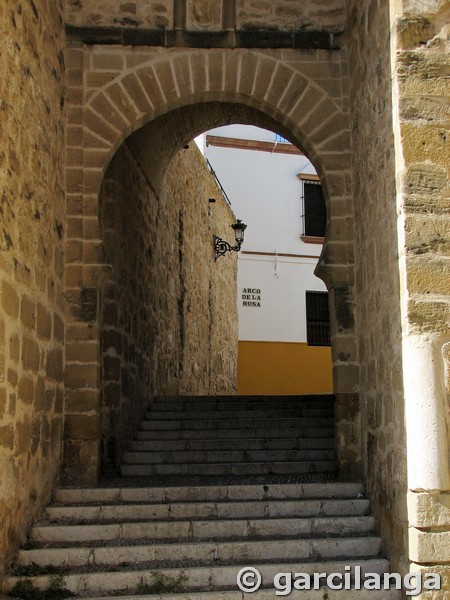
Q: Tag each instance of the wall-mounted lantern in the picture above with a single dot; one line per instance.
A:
(221, 247)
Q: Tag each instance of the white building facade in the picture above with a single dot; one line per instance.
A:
(264, 178)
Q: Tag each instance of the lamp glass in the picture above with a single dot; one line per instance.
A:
(239, 229)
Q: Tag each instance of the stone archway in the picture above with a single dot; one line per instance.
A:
(117, 91)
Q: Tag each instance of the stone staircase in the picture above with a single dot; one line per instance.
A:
(229, 435)
(209, 486)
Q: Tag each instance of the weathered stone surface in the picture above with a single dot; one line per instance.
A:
(443, 571)
(286, 15)
(414, 31)
(152, 14)
(32, 210)
(82, 427)
(204, 15)
(429, 510)
(377, 300)
(429, 315)
(307, 89)
(10, 300)
(428, 547)
(155, 337)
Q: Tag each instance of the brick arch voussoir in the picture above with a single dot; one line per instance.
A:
(143, 91)
(248, 77)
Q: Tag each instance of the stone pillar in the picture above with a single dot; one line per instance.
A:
(420, 68)
(425, 416)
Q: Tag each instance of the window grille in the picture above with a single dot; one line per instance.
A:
(317, 319)
(314, 210)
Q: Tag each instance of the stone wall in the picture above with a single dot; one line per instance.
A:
(152, 14)
(287, 16)
(377, 314)
(421, 72)
(171, 96)
(168, 311)
(31, 261)
(210, 15)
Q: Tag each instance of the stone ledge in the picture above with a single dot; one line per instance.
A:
(125, 36)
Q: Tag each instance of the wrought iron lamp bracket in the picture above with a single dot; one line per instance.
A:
(221, 247)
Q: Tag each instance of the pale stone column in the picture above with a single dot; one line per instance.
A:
(426, 428)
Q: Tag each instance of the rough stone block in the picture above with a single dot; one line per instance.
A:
(112, 340)
(14, 347)
(106, 61)
(150, 84)
(429, 546)
(182, 74)
(10, 300)
(82, 376)
(30, 354)
(432, 109)
(82, 401)
(426, 510)
(111, 368)
(26, 390)
(91, 230)
(81, 462)
(425, 179)
(74, 227)
(73, 276)
(40, 395)
(166, 80)
(28, 313)
(43, 322)
(100, 126)
(55, 364)
(23, 437)
(12, 377)
(94, 253)
(73, 251)
(96, 80)
(428, 275)
(426, 234)
(2, 401)
(82, 352)
(413, 32)
(423, 144)
(81, 427)
(119, 97)
(7, 437)
(345, 378)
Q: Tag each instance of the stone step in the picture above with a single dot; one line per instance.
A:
(237, 424)
(284, 403)
(205, 553)
(309, 413)
(210, 493)
(218, 401)
(270, 594)
(215, 577)
(231, 444)
(238, 468)
(209, 510)
(231, 456)
(191, 530)
(146, 432)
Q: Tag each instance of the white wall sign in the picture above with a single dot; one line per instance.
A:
(251, 297)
